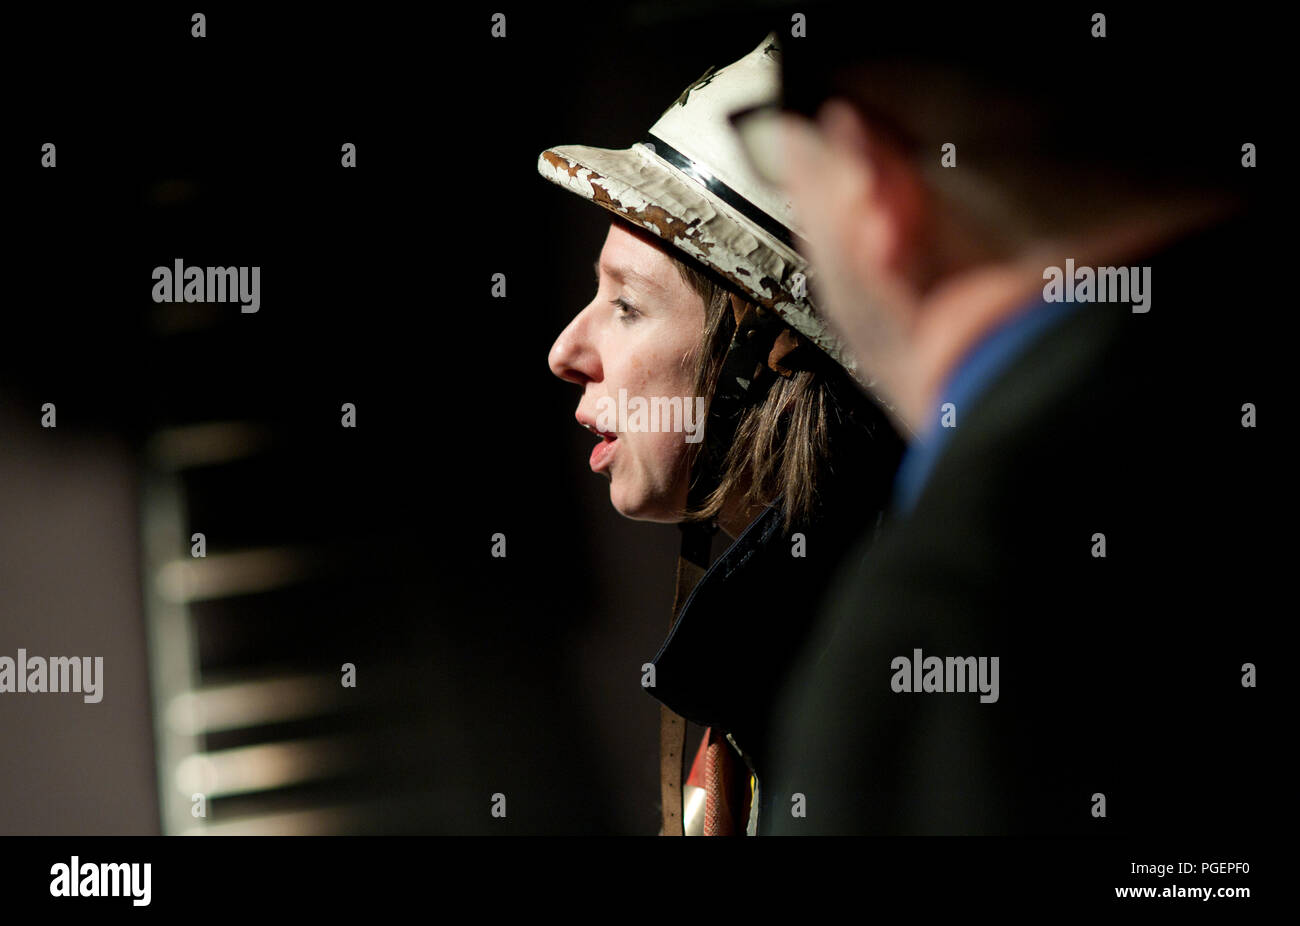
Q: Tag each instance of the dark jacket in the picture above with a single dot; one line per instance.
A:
(750, 614)
(1120, 675)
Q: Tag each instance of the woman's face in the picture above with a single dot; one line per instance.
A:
(637, 334)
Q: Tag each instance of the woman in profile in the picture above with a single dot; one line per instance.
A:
(702, 297)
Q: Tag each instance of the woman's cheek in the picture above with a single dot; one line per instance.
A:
(671, 477)
(647, 478)
(626, 474)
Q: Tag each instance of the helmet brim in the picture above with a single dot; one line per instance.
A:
(637, 185)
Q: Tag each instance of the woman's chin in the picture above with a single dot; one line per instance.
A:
(645, 508)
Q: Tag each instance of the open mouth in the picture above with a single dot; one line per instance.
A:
(604, 449)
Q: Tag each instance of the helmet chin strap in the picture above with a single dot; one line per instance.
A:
(761, 348)
(692, 562)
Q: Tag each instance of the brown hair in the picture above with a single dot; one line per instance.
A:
(781, 446)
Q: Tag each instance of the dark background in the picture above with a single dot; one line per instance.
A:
(476, 675)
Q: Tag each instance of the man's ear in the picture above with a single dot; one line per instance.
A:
(890, 196)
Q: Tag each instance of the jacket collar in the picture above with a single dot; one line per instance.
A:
(710, 668)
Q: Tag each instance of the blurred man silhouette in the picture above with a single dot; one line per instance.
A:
(1045, 247)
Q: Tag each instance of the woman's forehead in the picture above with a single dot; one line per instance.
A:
(632, 259)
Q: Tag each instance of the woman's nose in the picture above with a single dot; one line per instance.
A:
(572, 356)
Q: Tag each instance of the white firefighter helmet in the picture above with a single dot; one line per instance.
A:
(689, 182)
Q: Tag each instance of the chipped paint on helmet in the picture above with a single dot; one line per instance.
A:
(641, 187)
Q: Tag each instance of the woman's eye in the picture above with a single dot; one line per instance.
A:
(626, 312)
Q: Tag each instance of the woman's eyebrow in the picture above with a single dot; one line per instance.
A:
(623, 273)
